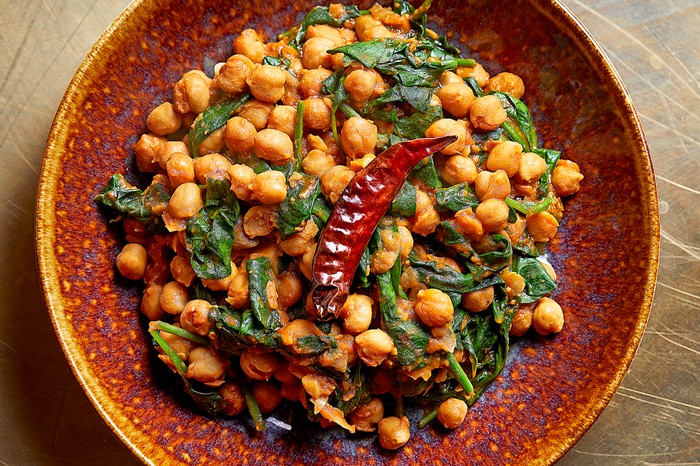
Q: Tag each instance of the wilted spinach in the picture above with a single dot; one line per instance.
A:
(298, 206)
(209, 234)
(212, 119)
(129, 200)
(538, 283)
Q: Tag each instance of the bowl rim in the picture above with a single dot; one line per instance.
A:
(44, 224)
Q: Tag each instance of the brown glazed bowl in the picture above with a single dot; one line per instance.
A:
(551, 391)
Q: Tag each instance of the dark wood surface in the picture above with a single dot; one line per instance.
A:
(653, 419)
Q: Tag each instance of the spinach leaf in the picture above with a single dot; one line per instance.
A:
(298, 206)
(373, 53)
(414, 126)
(500, 258)
(426, 173)
(212, 119)
(550, 156)
(209, 234)
(456, 198)
(236, 331)
(538, 283)
(404, 203)
(260, 274)
(276, 61)
(129, 200)
(519, 127)
(355, 385)
(410, 340)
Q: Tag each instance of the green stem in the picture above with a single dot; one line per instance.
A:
(181, 332)
(254, 410)
(180, 366)
(298, 134)
(421, 10)
(457, 62)
(349, 111)
(428, 418)
(459, 373)
(529, 208)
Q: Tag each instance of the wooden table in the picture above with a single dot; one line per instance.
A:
(653, 419)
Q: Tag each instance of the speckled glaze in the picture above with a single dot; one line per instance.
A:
(553, 388)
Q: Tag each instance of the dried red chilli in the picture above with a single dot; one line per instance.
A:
(356, 215)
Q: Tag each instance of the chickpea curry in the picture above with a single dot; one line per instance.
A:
(347, 219)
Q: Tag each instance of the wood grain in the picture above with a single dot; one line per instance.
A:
(653, 419)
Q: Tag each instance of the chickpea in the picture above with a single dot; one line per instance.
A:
(238, 296)
(249, 44)
(427, 218)
(149, 150)
(242, 177)
(298, 243)
(493, 215)
(211, 166)
(522, 320)
(191, 93)
(366, 417)
(334, 181)
(163, 119)
(259, 365)
(434, 307)
(274, 146)
(170, 148)
(311, 83)
(506, 82)
(363, 24)
(131, 261)
(406, 241)
(317, 113)
(181, 270)
(358, 137)
(325, 31)
(267, 396)
(532, 167)
(505, 156)
(180, 169)
(449, 127)
(289, 289)
(266, 83)
(195, 317)
(256, 112)
(487, 113)
(206, 364)
(479, 300)
(566, 178)
(374, 346)
(259, 221)
(456, 98)
(314, 53)
(393, 432)
(150, 304)
(542, 227)
(357, 313)
(233, 397)
(270, 187)
(492, 185)
(283, 118)
(469, 225)
(548, 317)
(181, 345)
(240, 135)
(459, 169)
(214, 143)
(515, 283)
(317, 162)
(291, 86)
(174, 297)
(448, 77)
(231, 77)
(186, 201)
(477, 72)
(359, 85)
(307, 260)
(451, 413)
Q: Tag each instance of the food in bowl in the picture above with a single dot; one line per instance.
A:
(348, 218)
